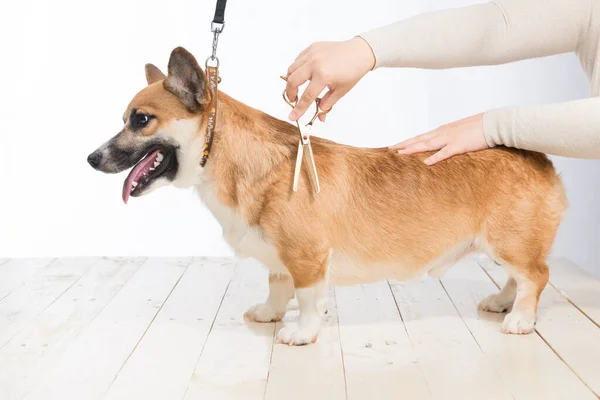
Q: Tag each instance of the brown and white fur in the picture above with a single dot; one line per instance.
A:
(379, 215)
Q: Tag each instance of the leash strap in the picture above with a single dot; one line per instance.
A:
(220, 13)
(212, 73)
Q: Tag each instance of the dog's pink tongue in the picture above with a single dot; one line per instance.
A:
(142, 168)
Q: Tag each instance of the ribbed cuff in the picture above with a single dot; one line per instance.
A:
(498, 127)
(378, 41)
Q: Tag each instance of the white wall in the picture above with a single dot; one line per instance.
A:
(70, 68)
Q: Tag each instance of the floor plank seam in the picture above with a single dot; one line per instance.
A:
(210, 329)
(270, 359)
(475, 339)
(35, 317)
(410, 341)
(567, 364)
(566, 297)
(545, 341)
(52, 261)
(147, 328)
(337, 317)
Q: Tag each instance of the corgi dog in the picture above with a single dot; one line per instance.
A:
(379, 215)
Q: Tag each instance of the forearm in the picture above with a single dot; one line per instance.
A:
(483, 34)
(567, 129)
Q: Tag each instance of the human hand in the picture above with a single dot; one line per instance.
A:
(459, 137)
(335, 65)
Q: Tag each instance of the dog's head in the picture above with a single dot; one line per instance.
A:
(161, 139)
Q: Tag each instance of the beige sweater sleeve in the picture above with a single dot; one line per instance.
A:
(495, 33)
(566, 129)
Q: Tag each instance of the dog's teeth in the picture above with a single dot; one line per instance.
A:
(151, 169)
(156, 164)
(134, 183)
(159, 157)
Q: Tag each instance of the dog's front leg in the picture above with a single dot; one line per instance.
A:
(310, 284)
(281, 291)
(309, 320)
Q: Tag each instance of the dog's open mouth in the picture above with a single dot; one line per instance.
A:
(157, 162)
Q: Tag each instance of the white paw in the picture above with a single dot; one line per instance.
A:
(295, 335)
(497, 303)
(263, 313)
(518, 322)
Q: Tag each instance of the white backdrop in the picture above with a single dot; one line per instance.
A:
(71, 67)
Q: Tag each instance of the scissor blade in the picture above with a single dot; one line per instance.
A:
(298, 166)
(313, 169)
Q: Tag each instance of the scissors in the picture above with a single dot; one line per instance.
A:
(304, 143)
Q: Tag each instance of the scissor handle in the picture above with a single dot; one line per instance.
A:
(292, 104)
(287, 100)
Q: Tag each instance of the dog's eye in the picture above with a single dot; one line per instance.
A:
(141, 119)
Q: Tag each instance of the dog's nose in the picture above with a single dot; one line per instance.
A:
(94, 159)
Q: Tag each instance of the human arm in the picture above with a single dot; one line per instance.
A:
(492, 33)
(570, 129)
(483, 34)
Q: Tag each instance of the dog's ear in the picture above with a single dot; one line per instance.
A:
(186, 80)
(153, 74)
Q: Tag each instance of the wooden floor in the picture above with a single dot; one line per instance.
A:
(145, 329)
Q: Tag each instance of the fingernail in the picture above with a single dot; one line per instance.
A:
(293, 115)
(427, 161)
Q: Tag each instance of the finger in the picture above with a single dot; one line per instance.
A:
(417, 139)
(295, 80)
(309, 95)
(443, 154)
(331, 97)
(429, 145)
(322, 117)
(295, 65)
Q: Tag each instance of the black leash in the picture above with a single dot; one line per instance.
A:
(212, 74)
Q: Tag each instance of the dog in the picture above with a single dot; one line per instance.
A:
(379, 215)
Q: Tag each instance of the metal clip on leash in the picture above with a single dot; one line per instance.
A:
(216, 27)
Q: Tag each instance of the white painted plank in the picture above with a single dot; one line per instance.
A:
(27, 301)
(315, 371)
(379, 360)
(577, 285)
(161, 366)
(570, 333)
(87, 369)
(528, 367)
(235, 361)
(16, 271)
(30, 353)
(453, 364)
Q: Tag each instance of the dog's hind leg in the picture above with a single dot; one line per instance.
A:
(281, 291)
(529, 285)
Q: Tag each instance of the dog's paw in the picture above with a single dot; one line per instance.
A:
(518, 322)
(294, 335)
(496, 303)
(263, 313)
